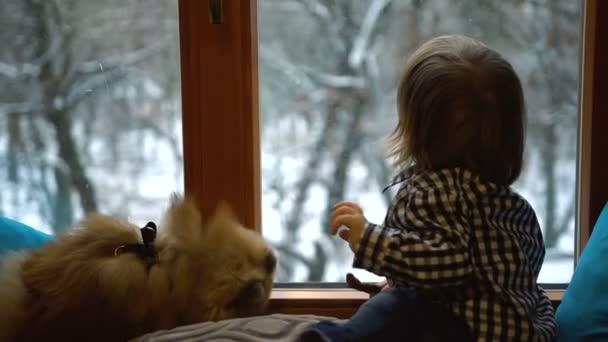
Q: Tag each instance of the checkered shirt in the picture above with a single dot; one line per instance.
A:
(471, 245)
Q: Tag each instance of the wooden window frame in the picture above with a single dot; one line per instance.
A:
(219, 65)
(220, 107)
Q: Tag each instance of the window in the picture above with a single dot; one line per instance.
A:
(234, 172)
(328, 80)
(90, 112)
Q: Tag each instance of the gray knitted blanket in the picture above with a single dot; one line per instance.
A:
(275, 327)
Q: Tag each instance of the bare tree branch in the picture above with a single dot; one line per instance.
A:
(20, 108)
(12, 71)
(316, 264)
(294, 73)
(317, 9)
(87, 86)
(336, 81)
(361, 41)
(121, 60)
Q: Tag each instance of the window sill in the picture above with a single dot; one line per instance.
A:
(341, 303)
(317, 294)
(556, 295)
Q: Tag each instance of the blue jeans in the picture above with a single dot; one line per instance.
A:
(395, 314)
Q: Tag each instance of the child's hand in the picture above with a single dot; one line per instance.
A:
(371, 289)
(350, 215)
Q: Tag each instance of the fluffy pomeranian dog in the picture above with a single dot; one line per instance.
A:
(102, 281)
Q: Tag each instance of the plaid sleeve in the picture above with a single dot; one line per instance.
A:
(428, 247)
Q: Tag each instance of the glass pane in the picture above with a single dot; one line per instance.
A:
(90, 112)
(328, 76)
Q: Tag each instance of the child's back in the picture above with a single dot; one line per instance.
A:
(479, 252)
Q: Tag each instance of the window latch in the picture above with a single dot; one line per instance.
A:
(216, 12)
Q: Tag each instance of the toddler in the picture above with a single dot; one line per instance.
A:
(461, 249)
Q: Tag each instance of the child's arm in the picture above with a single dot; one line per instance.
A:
(430, 246)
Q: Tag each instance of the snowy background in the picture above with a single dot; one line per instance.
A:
(90, 112)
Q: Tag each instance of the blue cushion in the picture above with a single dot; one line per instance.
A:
(583, 312)
(16, 236)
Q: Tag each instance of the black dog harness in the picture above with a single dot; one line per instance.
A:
(144, 250)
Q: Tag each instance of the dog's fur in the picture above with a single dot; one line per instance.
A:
(75, 288)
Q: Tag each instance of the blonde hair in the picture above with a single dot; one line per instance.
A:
(460, 104)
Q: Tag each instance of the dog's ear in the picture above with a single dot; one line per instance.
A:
(223, 212)
(183, 220)
(223, 218)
